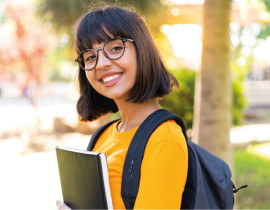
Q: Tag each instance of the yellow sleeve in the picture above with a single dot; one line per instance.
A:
(164, 169)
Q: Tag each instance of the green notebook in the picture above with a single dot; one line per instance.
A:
(84, 179)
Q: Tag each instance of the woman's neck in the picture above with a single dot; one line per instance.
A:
(133, 114)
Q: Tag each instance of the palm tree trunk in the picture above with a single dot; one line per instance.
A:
(213, 94)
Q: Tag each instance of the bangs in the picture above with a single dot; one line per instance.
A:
(98, 27)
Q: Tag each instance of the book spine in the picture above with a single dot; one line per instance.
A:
(101, 180)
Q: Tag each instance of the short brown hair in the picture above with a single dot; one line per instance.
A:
(153, 80)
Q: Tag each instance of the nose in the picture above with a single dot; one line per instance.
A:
(102, 61)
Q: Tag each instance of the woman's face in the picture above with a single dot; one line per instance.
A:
(114, 78)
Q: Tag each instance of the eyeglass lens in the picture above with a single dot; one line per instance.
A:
(113, 50)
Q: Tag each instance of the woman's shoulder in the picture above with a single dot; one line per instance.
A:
(168, 129)
(168, 132)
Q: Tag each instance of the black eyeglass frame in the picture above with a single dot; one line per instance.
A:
(104, 53)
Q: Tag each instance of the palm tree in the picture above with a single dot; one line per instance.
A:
(213, 94)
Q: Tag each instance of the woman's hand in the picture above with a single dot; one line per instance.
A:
(62, 206)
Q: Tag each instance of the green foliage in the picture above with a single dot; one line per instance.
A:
(63, 14)
(239, 73)
(267, 4)
(181, 101)
(62, 65)
(254, 171)
(239, 101)
(264, 32)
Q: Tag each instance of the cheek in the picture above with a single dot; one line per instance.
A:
(90, 77)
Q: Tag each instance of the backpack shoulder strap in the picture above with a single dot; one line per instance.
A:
(97, 134)
(132, 165)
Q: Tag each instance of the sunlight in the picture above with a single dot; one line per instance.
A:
(186, 42)
(261, 51)
(260, 150)
(241, 61)
(20, 2)
(179, 2)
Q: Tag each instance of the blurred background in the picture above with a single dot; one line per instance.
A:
(38, 91)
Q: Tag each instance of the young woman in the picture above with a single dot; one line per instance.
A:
(120, 69)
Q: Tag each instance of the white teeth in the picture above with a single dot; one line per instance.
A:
(107, 79)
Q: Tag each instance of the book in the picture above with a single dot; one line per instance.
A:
(84, 179)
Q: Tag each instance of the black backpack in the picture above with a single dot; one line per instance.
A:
(208, 184)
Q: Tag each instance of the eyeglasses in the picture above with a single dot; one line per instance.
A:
(112, 49)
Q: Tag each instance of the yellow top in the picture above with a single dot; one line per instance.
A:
(163, 170)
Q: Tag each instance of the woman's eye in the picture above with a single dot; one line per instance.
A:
(90, 58)
(117, 48)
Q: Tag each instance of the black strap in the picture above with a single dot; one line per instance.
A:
(132, 165)
(97, 134)
(239, 188)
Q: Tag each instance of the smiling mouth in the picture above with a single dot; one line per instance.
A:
(110, 78)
